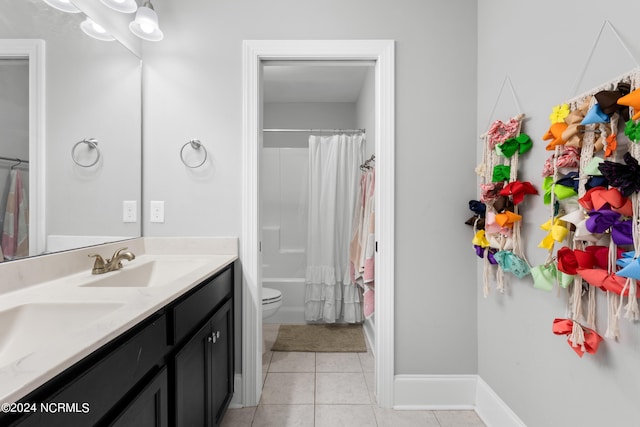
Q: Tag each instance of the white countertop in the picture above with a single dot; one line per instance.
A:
(109, 311)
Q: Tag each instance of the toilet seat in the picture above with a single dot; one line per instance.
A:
(270, 296)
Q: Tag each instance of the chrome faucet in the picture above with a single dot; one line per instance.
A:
(101, 266)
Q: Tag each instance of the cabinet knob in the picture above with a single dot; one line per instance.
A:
(209, 339)
(217, 334)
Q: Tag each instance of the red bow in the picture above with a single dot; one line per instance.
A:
(517, 190)
(591, 338)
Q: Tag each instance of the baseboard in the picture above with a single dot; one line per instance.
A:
(431, 392)
(453, 392)
(438, 392)
(236, 400)
(492, 409)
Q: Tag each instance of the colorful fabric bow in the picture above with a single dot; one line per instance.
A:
(591, 338)
(610, 282)
(558, 113)
(507, 218)
(499, 131)
(557, 233)
(612, 145)
(562, 192)
(521, 144)
(478, 208)
(632, 130)
(630, 266)
(501, 173)
(544, 276)
(567, 262)
(480, 252)
(480, 239)
(569, 157)
(490, 191)
(512, 263)
(624, 177)
(517, 190)
(572, 180)
(605, 219)
(600, 197)
(608, 100)
(555, 135)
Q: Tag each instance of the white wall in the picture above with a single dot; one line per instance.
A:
(543, 47)
(193, 89)
(365, 110)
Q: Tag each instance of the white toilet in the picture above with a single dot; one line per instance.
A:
(271, 302)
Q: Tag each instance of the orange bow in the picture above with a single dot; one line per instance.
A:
(591, 338)
(507, 218)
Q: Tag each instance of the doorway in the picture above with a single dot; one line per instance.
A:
(33, 51)
(381, 52)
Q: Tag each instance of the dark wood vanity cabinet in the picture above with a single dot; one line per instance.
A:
(173, 369)
(204, 373)
(203, 365)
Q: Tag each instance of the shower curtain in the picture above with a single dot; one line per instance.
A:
(334, 175)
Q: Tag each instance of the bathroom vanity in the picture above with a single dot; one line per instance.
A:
(149, 345)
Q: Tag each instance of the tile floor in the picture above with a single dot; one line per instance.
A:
(328, 389)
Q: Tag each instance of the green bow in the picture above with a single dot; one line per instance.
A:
(501, 173)
(632, 130)
(562, 192)
(521, 143)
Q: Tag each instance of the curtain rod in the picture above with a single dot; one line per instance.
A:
(315, 130)
(13, 159)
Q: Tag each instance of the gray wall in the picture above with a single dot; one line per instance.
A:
(543, 47)
(193, 89)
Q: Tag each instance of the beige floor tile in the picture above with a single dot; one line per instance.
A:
(348, 388)
(338, 362)
(284, 416)
(367, 362)
(288, 388)
(370, 380)
(242, 417)
(392, 418)
(458, 419)
(266, 360)
(345, 416)
(269, 334)
(292, 361)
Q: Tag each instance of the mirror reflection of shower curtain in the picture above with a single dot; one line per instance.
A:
(15, 228)
(334, 175)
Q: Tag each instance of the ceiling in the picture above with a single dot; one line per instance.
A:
(314, 82)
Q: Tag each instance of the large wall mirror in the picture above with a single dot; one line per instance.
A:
(83, 158)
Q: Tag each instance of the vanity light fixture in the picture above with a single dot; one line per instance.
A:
(124, 6)
(145, 25)
(96, 31)
(63, 5)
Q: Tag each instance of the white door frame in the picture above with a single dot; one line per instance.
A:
(254, 52)
(34, 51)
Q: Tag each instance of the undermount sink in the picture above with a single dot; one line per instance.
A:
(27, 328)
(151, 273)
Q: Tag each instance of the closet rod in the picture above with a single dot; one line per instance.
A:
(13, 159)
(316, 130)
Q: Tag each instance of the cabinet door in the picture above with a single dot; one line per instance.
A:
(192, 389)
(222, 361)
(150, 406)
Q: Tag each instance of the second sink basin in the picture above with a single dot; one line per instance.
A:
(32, 327)
(151, 273)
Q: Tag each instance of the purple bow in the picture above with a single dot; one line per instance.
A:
(480, 253)
(604, 219)
(624, 177)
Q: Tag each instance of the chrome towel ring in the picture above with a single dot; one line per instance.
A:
(92, 143)
(196, 145)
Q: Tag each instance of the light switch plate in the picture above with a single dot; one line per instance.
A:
(129, 211)
(157, 211)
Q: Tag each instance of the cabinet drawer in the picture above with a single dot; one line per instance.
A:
(114, 370)
(189, 313)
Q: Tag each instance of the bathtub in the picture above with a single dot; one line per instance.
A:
(292, 309)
